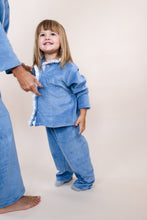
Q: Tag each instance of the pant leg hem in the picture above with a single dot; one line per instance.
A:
(10, 202)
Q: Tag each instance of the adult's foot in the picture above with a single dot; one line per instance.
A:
(25, 202)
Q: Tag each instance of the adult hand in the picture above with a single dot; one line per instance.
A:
(26, 80)
(26, 67)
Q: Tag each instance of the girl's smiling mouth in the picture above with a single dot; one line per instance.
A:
(48, 43)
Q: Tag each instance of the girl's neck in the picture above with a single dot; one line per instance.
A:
(50, 57)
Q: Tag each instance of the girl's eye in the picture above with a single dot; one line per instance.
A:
(53, 34)
(42, 35)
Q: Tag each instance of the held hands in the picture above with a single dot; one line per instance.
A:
(26, 80)
(81, 121)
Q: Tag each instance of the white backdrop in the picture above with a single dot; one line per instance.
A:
(108, 42)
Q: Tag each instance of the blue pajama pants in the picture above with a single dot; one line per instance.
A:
(71, 155)
(11, 184)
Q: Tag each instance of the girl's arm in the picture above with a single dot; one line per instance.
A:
(77, 84)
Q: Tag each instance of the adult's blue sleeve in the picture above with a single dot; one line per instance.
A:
(8, 59)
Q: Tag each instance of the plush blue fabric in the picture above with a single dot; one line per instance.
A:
(8, 59)
(11, 184)
(71, 155)
(63, 94)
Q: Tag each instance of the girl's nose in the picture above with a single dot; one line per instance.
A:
(47, 36)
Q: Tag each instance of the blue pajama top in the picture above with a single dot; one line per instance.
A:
(63, 94)
(8, 58)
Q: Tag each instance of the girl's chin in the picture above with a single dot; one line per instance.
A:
(50, 52)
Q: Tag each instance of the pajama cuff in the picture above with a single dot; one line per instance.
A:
(8, 71)
(83, 101)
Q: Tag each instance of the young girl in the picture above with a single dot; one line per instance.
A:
(62, 105)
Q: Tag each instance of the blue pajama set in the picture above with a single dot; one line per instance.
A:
(63, 94)
(11, 184)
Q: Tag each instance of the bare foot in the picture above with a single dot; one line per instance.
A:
(25, 202)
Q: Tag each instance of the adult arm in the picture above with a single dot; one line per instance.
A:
(8, 59)
(10, 63)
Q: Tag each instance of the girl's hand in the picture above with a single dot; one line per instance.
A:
(81, 121)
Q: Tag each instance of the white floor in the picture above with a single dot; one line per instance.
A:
(108, 200)
(115, 199)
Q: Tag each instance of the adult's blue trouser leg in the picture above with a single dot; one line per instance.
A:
(74, 148)
(64, 171)
(11, 184)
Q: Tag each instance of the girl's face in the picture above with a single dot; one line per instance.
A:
(49, 41)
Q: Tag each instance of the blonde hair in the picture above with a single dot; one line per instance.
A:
(64, 51)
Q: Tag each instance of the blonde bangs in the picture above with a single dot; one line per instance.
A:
(48, 25)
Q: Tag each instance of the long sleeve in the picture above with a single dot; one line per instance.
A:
(77, 84)
(8, 59)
